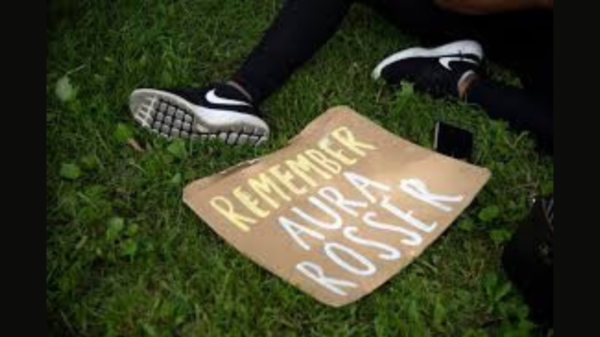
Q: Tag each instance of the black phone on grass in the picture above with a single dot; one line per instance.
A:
(453, 141)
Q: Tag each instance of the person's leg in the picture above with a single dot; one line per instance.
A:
(522, 109)
(521, 41)
(230, 111)
(300, 29)
(515, 40)
(524, 42)
(423, 19)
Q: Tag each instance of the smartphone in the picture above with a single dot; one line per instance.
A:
(453, 141)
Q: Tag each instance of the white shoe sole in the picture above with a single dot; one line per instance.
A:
(173, 117)
(458, 47)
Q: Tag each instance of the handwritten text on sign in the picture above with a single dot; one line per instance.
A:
(342, 226)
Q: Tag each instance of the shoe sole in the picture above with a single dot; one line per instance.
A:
(458, 47)
(174, 117)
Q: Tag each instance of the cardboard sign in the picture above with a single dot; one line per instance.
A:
(340, 210)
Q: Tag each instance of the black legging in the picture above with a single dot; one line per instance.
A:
(522, 41)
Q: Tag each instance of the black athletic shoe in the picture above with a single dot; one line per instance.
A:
(217, 112)
(436, 70)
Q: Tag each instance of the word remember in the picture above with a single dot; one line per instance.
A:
(280, 183)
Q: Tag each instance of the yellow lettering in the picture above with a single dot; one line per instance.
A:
(264, 186)
(346, 137)
(325, 145)
(286, 179)
(250, 203)
(224, 206)
(318, 157)
(301, 166)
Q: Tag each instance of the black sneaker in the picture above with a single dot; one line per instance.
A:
(436, 70)
(217, 112)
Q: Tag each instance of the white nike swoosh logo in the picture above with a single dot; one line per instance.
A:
(445, 61)
(212, 97)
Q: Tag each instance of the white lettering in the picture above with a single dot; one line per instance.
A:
(295, 230)
(415, 239)
(337, 219)
(390, 254)
(370, 267)
(419, 190)
(315, 273)
(407, 216)
(363, 183)
(335, 197)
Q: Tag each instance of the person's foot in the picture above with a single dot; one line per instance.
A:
(218, 112)
(438, 70)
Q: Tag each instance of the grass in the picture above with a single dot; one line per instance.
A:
(125, 257)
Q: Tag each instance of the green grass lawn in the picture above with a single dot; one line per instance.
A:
(125, 256)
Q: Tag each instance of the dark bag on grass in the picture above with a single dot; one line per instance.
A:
(529, 260)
